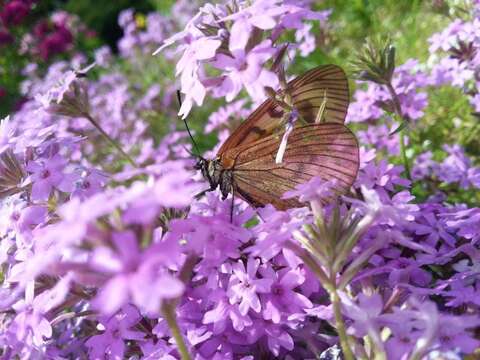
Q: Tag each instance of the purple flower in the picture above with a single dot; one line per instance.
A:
(383, 175)
(135, 277)
(364, 314)
(461, 295)
(45, 176)
(188, 66)
(278, 338)
(103, 56)
(452, 333)
(283, 300)
(224, 313)
(315, 188)
(245, 69)
(427, 223)
(455, 167)
(223, 115)
(365, 106)
(305, 39)
(7, 132)
(114, 331)
(244, 286)
(404, 270)
(30, 325)
(217, 348)
(378, 137)
(88, 182)
(404, 334)
(30, 217)
(466, 223)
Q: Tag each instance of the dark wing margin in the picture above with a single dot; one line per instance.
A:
(308, 91)
(327, 150)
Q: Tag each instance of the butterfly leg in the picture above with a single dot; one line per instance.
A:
(201, 193)
(233, 203)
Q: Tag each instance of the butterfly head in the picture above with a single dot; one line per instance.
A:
(201, 163)
(211, 170)
(204, 166)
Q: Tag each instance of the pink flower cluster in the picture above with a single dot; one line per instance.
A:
(238, 43)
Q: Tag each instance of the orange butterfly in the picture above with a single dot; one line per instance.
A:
(245, 164)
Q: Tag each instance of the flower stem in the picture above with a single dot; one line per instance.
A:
(398, 111)
(168, 311)
(340, 325)
(404, 154)
(109, 139)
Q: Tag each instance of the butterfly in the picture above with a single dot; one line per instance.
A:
(246, 164)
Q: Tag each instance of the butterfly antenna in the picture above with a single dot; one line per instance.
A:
(188, 151)
(179, 98)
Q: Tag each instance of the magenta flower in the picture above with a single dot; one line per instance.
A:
(14, 12)
(5, 39)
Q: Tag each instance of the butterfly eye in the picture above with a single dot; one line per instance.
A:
(199, 165)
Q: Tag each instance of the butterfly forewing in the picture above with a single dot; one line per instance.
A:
(324, 83)
(327, 150)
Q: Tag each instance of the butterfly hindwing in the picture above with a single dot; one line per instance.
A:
(327, 150)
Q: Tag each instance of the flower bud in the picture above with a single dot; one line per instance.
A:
(376, 62)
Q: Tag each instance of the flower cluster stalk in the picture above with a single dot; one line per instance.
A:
(326, 246)
(168, 312)
(109, 138)
(398, 111)
(168, 309)
(376, 63)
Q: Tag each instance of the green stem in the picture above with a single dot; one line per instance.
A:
(109, 139)
(398, 111)
(404, 154)
(168, 311)
(168, 308)
(340, 326)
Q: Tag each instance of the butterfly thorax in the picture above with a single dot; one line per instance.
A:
(216, 175)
